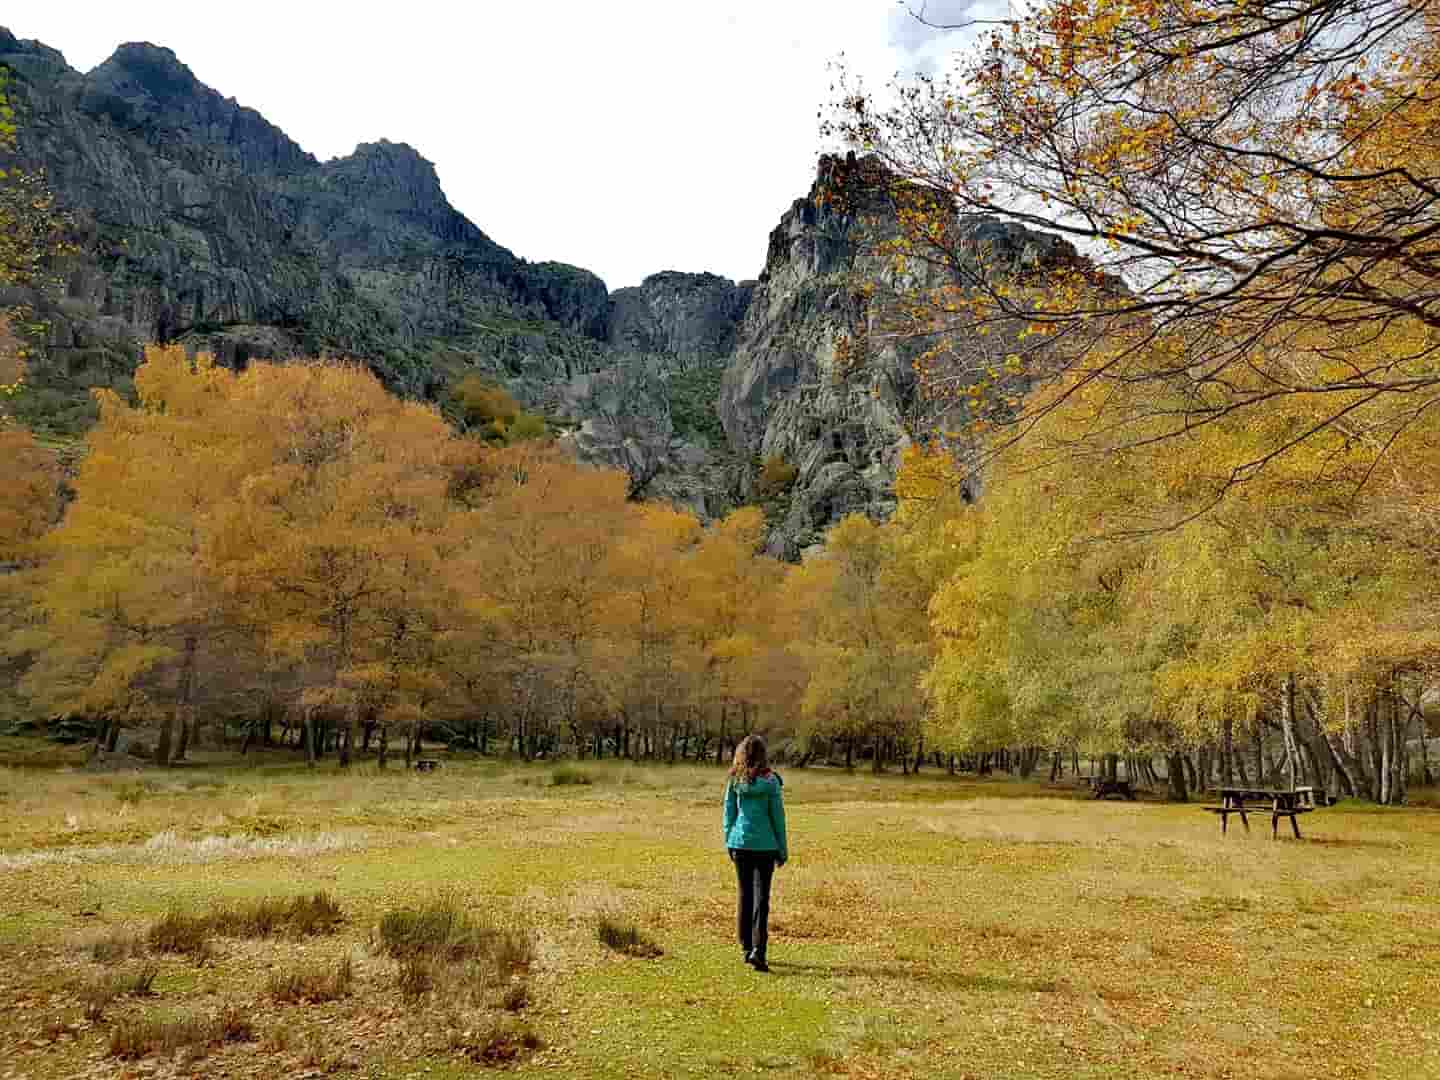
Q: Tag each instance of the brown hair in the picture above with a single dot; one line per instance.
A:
(751, 759)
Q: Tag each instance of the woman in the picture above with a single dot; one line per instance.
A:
(755, 838)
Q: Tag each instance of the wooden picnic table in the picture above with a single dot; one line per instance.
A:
(1282, 802)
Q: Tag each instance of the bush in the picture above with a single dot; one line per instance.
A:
(776, 477)
(116, 946)
(300, 916)
(312, 984)
(503, 1043)
(626, 938)
(98, 995)
(569, 776)
(483, 403)
(137, 1036)
(176, 932)
(442, 929)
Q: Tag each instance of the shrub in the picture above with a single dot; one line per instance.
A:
(485, 403)
(776, 477)
(569, 776)
(134, 1037)
(300, 916)
(97, 995)
(503, 1043)
(176, 932)
(626, 938)
(115, 946)
(313, 984)
(442, 929)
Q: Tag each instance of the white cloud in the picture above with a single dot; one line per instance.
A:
(625, 137)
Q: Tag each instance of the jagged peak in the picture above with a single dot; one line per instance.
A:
(394, 151)
(153, 69)
(682, 277)
(13, 46)
(394, 163)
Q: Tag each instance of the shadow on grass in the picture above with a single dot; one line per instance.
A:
(942, 980)
(1355, 842)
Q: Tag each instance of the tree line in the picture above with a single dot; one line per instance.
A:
(295, 552)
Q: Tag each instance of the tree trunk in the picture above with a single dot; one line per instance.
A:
(1293, 774)
(1227, 753)
(345, 736)
(185, 694)
(850, 753)
(308, 735)
(1426, 776)
(1386, 737)
(102, 733)
(382, 750)
(1175, 775)
(167, 737)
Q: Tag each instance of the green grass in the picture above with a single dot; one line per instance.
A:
(924, 927)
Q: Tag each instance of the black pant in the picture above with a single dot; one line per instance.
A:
(754, 869)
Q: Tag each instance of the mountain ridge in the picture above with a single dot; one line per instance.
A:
(198, 221)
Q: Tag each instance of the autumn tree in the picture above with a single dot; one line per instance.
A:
(735, 589)
(329, 547)
(866, 644)
(28, 493)
(1256, 184)
(651, 617)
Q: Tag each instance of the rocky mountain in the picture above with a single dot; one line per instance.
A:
(817, 381)
(197, 221)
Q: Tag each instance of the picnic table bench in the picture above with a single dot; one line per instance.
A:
(426, 764)
(1102, 787)
(1287, 803)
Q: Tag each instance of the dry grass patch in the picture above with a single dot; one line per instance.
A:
(627, 938)
(181, 934)
(312, 984)
(97, 994)
(503, 1042)
(444, 930)
(116, 946)
(299, 916)
(135, 1037)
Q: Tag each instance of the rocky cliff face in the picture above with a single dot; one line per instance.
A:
(200, 222)
(814, 380)
(689, 317)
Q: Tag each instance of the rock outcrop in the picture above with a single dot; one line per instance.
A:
(814, 380)
(691, 318)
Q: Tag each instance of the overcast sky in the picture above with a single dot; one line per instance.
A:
(627, 136)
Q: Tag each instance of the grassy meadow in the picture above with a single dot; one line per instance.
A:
(167, 924)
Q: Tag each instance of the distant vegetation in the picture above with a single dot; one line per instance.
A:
(693, 394)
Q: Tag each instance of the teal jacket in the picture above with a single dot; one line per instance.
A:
(755, 815)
